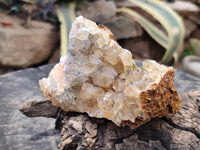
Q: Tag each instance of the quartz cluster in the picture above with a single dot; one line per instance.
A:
(100, 78)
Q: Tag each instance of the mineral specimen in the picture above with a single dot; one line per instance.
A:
(100, 78)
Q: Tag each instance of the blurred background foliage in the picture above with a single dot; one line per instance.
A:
(163, 30)
(171, 39)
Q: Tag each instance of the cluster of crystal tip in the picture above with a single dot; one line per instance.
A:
(100, 78)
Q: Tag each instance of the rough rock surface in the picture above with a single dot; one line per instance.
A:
(124, 28)
(100, 77)
(16, 130)
(99, 11)
(21, 46)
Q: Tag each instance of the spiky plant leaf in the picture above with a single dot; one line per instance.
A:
(153, 31)
(66, 15)
(167, 18)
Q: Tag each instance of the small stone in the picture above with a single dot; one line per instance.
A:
(183, 7)
(123, 28)
(22, 47)
(100, 78)
(191, 65)
(99, 11)
(190, 26)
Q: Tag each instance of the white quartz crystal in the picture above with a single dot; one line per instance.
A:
(99, 77)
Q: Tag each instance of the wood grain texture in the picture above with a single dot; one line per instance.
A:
(38, 108)
(180, 131)
(79, 131)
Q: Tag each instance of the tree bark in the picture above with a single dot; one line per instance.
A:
(79, 131)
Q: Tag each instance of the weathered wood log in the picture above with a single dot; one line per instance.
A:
(38, 108)
(79, 131)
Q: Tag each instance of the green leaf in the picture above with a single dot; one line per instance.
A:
(66, 16)
(171, 22)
